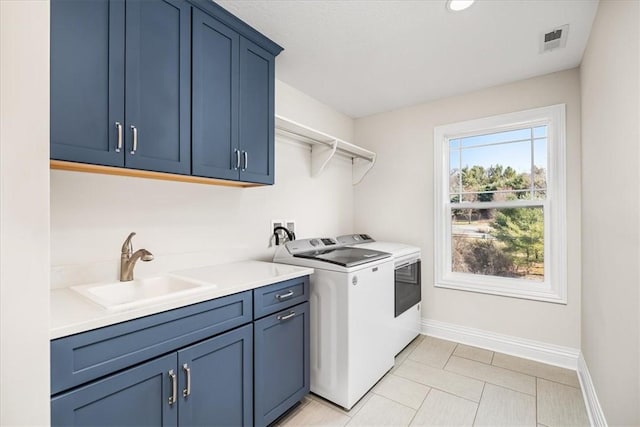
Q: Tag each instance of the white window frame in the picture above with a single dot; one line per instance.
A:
(554, 286)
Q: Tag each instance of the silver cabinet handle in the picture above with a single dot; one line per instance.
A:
(284, 296)
(287, 316)
(245, 157)
(134, 130)
(119, 129)
(174, 387)
(237, 159)
(187, 371)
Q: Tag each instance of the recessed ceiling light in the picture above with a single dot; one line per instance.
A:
(458, 5)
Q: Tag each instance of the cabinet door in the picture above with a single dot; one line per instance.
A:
(158, 78)
(215, 98)
(87, 80)
(216, 377)
(281, 362)
(257, 76)
(136, 397)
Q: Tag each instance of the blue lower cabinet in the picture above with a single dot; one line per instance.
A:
(281, 365)
(206, 384)
(214, 363)
(216, 380)
(135, 397)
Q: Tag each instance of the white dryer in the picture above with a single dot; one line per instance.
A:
(349, 316)
(406, 285)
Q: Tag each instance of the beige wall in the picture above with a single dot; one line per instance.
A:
(610, 76)
(395, 202)
(24, 213)
(188, 225)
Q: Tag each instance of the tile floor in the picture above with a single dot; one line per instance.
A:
(442, 383)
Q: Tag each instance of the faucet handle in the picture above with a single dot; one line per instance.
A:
(127, 246)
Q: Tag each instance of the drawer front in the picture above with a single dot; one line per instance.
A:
(276, 297)
(83, 357)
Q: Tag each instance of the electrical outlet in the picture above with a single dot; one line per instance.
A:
(277, 223)
(290, 224)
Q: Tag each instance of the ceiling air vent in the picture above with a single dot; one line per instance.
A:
(554, 39)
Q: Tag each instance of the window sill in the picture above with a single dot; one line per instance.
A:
(536, 293)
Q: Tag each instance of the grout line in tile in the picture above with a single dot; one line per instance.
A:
(474, 360)
(558, 382)
(493, 355)
(524, 373)
(460, 397)
(479, 402)
(439, 389)
(499, 385)
(423, 400)
(395, 401)
(449, 358)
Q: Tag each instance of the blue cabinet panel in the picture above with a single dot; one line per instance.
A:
(276, 297)
(83, 357)
(220, 371)
(136, 397)
(257, 111)
(158, 79)
(215, 98)
(281, 372)
(87, 80)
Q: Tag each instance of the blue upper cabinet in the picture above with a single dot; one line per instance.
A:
(93, 119)
(158, 81)
(257, 77)
(87, 80)
(177, 86)
(233, 103)
(215, 98)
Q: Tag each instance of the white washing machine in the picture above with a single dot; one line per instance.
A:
(349, 316)
(406, 286)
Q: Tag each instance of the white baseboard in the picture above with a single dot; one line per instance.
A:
(551, 354)
(596, 416)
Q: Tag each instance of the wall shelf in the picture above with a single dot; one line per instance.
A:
(324, 147)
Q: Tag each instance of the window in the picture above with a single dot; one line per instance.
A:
(500, 205)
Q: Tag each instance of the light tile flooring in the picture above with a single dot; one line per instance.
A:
(442, 383)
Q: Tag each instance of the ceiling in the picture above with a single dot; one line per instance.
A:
(365, 57)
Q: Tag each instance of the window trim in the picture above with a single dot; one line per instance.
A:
(554, 286)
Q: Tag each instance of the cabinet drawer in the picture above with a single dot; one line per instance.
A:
(83, 357)
(276, 297)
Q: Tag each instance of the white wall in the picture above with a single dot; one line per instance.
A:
(24, 213)
(187, 225)
(610, 76)
(395, 202)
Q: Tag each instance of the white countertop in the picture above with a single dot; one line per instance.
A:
(72, 313)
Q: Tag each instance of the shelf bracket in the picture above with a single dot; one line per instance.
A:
(320, 156)
(360, 168)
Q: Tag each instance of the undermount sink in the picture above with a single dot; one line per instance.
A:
(124, 295)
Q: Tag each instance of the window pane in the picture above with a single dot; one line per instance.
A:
(454, 172)
(540, 164)
(500, 172)
(496, 172)
(492, 138)
(517, 155)
(540, 131)
(505, 242)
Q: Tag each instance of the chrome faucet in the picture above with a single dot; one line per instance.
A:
(128, 259)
